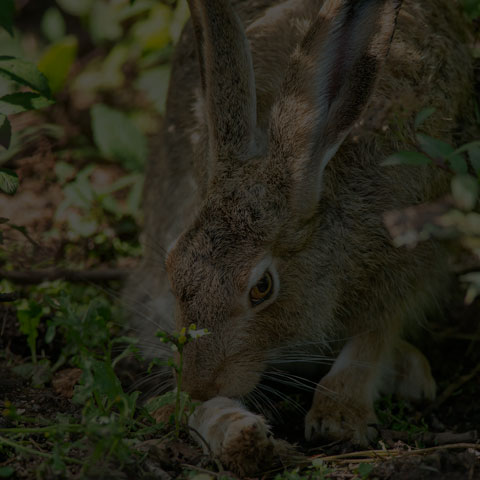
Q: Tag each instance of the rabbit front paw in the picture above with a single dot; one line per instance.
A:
(240, 439)
(340, 419)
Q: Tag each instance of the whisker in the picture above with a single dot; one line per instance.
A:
(283, 397)
(273, 410)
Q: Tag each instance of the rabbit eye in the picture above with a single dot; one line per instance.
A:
(262, 290)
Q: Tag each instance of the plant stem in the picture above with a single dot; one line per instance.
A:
(53, 429)
(31, 451)
(178, 395)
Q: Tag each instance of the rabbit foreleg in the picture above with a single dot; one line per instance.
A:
(343, 402)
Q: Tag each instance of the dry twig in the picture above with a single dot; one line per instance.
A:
(38, 276)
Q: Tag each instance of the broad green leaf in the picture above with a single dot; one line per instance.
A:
(472, 8)
(105, 22)
(458, 164)
(364, 470)
(57, 61)
(407, 158)
(25, 73)
(5, 131)
(134, 198)
(106, 381)
(53, 24)
(81, 225)
(155, 85)
(423, 115)
(50, 333)
(8, 181)
(6, 472)
(435, 148)
(27, 136)
(77, 8)
(474, 155)
(64, 171)
(465, 191)
(180, 17)
(7, 9)
(473, 278)
(117, 137)
(23, 101)
(467, 147)
(153, 33)
(106, 74)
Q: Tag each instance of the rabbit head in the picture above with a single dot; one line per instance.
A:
(249, 268)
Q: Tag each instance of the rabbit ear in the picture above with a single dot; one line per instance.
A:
(327, 85)
(227, 78)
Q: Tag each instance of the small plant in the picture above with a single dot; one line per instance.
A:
(318, 470)
(178, 341)
(19, 73)
(111, 423)
(394, 414)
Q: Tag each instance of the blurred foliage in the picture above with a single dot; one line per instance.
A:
(461, 219)
(472, 8)
(96, 73)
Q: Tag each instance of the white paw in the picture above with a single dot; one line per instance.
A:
(239, 438)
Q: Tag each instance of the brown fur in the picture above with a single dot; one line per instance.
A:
(234, 196)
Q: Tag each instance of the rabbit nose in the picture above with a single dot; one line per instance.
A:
(201, 391)
(199, 387)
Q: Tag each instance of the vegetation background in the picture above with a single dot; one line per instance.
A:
(82, 90)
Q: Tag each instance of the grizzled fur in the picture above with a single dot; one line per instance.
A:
(279, 116)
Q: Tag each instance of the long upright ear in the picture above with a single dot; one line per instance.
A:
(227, 78)
(329, 81)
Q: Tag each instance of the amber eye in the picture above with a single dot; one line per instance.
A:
(262, 290)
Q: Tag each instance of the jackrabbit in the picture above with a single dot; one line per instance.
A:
(268, 191)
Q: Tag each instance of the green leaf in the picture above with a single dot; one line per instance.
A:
(28, 316)
(465, 190)
(364, 470)
(154, 83)
(467, 147)
(6, 472)
(53, 25)
(25, 73)
(5, 131)
(117, 137)
(23, 101)
(423, 115)
(8, 181)
(407, 158)
(57, 61)
(77, 8)
(435, 148)
(50, 333)
(458, 164)
(64, 171)
(104, 22)
(7, 9)
(153, 33)
(474, 155)
(180, 17)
